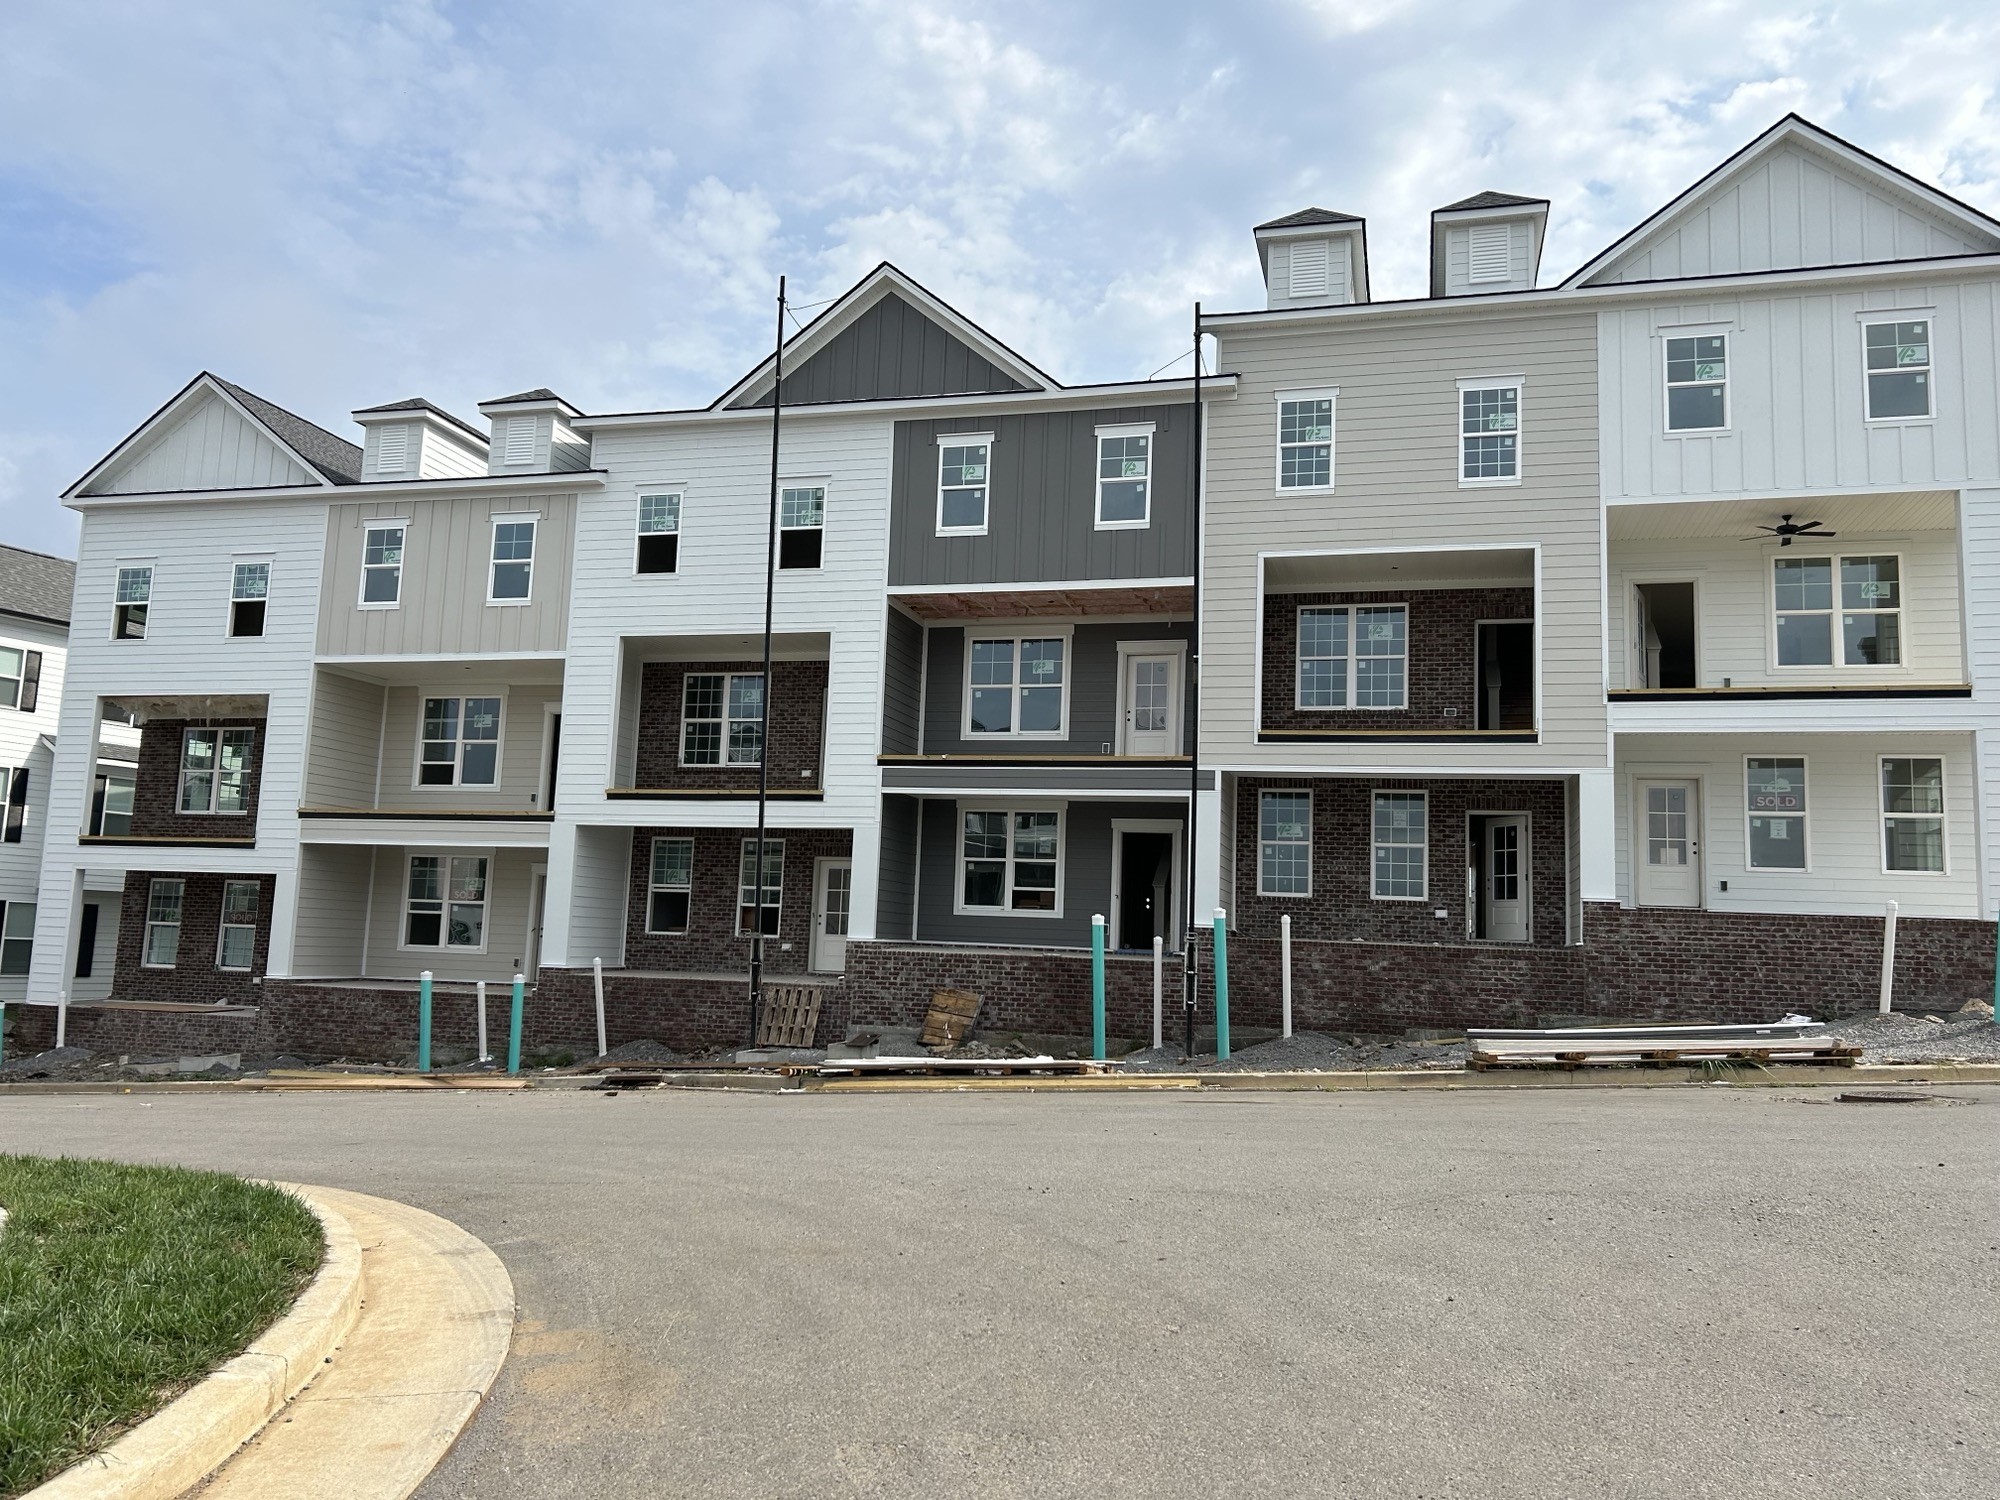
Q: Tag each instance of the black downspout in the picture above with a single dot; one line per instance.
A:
(764, 694)
(1190, 994)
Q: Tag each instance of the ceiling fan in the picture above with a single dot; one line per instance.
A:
(1785, 530)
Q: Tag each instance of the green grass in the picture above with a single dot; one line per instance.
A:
(120, 1287)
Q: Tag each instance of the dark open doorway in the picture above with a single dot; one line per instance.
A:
(1507, 674)
(1145, 889)
(1663, 640)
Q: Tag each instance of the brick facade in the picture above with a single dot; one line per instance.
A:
(194, 978)
(1443, 657)
(796, 732)
(711, 943)
(156, 796)
(1341, 906)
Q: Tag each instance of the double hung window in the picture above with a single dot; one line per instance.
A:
(1284, 844)
(1124, 476)
(111, 805)
(801, 525)
(1353, 656)
(722, 719)
(20, 678)
(382, 565)
(513, 559)
(659, 544)
(1913, 814)
(1016, 685)
(1489, 428)
(1899, 370)
(249, 591)
(163, 923)
(215, 770)
(670, 886)
(746, 887)
(130, 602)
(15, 783)
(1011, 861)
(1861, 628)
(1401, 839)
(17, 938)
(446, 907)
(461, 742)
(964, 460)
(1698, 383)
(1305, 440)
(1774, 795)
(236, 943)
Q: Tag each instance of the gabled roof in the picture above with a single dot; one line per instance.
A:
(1306, 218)
(1796, 133)
(418, 403)
(1492, 200)
(334, 457)
(539, 393)
(858, 300)
(35, 585)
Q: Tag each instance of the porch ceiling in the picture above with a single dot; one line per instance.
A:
(422, 671)
(147, 707)
(785, 646)
(1922, 510)
(1010, 604)
(1499, 567)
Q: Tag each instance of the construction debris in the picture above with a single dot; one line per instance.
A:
(790, 1015)
(951, 1016)
(1658, 1046)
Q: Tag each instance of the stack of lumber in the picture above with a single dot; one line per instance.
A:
(951, 1016)
(1658, 1046)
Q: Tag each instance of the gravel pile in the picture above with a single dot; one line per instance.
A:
(1902, 1038)
(642, 1051)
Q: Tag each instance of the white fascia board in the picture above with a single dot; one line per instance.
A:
(1068, 398)
(560, 482)
(202, 384)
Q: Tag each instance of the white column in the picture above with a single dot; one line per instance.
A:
(867, 878)
(58, 924)
(1208, 853)
(285, 897)
(557, 893)
(1979, 564)
(1597, 834)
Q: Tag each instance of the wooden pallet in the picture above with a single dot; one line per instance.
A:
(790, 1015)
(1572, 1052)
(951, 1016)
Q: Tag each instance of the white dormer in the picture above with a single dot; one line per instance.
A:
(1490, 242)
(415, 440)
(1314, 258)
(532, 435)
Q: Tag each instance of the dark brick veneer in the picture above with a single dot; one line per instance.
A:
(797, 719)
(194, 978)
(1443, 657)
(710, 944)
(157, 792)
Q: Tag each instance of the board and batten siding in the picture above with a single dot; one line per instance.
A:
(213, 447)
(333, 911)
(523, 719)
(902, 685)
(891, 351)
(1041, 508)
(1797, 413)
(1736, 625)
(1396, 464)
(346, 740)
(1843, 817)
(447, 557)
(1096, 702)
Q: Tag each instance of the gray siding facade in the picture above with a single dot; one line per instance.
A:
(1094, 698)
(902, 685)
(891, 352)
(896, 885)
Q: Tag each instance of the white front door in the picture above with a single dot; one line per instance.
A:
(1668, 843)
(833, 881)
(1507, 879)
(1150, 705)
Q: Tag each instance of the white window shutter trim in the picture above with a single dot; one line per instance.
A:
(1308, 267)
(1491, 252)
(392, 448)
(520, 439)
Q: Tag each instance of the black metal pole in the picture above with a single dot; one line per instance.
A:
(1190, 994)
(764, 691)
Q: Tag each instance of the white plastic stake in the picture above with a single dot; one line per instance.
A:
(597, 978)
(1888, 959)
(62, 1017)
(1159, 953)
(1285, 966)
(484, 1055)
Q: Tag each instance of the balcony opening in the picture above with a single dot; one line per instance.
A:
(1663, 635)
(1507, 674)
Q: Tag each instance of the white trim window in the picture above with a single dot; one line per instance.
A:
(131, 599)
(670, 886)
(1697, 382)
(382, 564)
(1401, 844)
(722, 718)
(657, 548)
(459, 742)
(1125, 476)
(774, 887)
(445, 904)
(1010, 860)
(1869, 628)
(17, 938)
(20, 678)
(1898, 358)
(965, 462)
(1774, 809)
(1305, 439)
(1284, 843)
(249, 596)
(801, 525)
(14, 780)
(163, 923)
(1913, 815)
(215, 771)
(1489, 432)
(512, 577)
(236, 937)
(1353, 656)
(1016, 685)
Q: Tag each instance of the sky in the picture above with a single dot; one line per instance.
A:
(341, 204)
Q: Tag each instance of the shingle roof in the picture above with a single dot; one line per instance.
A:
(1491, 200)
(35, 584)
(418, 403)
(336, 458)
(1309, 216)
(539, 393)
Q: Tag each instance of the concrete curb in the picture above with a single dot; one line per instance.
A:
(199, 1430)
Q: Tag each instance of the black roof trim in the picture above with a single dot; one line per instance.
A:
(418, 403)
(1490, 200)
(1307, 217)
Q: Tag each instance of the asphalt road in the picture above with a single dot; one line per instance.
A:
(1634, 1293)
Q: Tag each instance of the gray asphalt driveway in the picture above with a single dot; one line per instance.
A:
(1695, 1293)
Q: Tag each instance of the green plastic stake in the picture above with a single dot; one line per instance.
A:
(1221, 986)
(1097, 988)
(514, 1026)
(424, 1022)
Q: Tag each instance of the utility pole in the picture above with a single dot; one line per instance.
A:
(764, 692)
(1190, 993)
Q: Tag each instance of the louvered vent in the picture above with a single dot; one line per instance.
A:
(520, 440)
(1492, 252)
(392, 448)
(1308, 269)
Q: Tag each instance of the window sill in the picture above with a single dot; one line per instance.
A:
(1489, 484)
